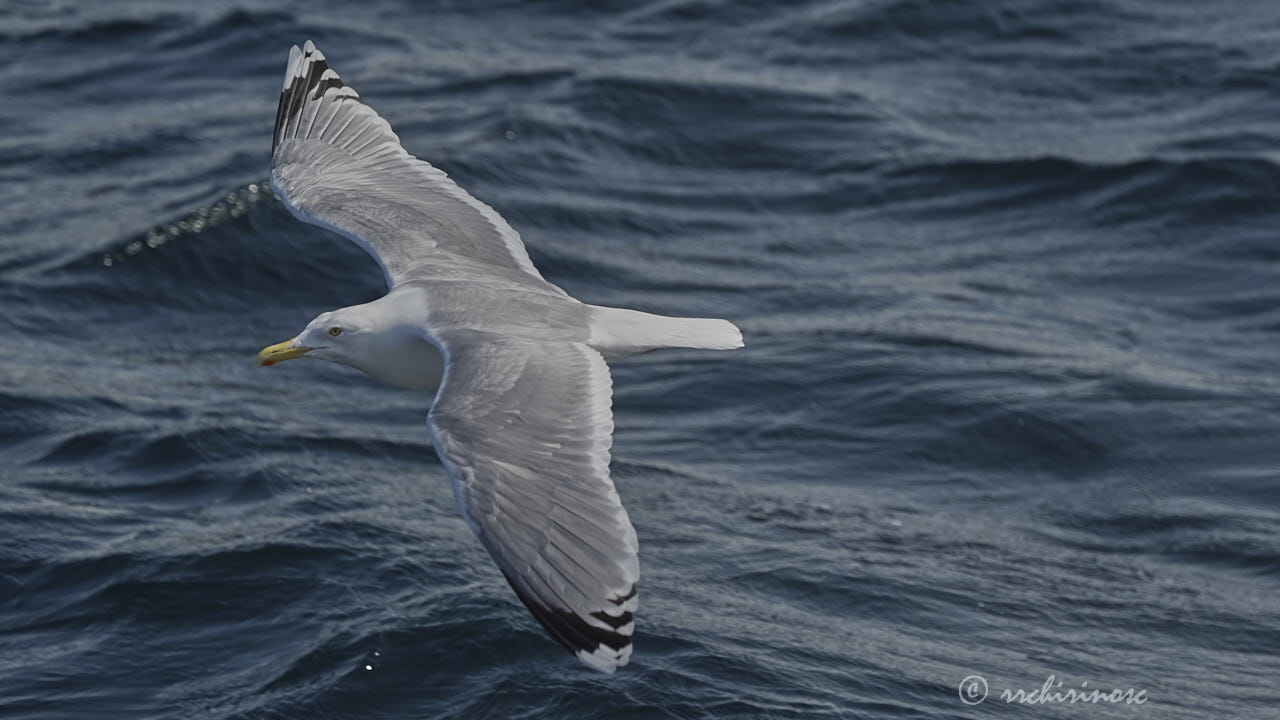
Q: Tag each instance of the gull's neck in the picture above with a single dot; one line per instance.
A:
(390, 346)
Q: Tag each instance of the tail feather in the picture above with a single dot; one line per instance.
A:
(616, 332)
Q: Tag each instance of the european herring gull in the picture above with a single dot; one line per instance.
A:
(521, 418)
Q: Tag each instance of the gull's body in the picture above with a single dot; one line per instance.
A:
(521, 418)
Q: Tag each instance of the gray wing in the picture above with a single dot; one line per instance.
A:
(524, 431)
(337, 164)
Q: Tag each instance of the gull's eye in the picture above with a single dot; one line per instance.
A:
(335, 331)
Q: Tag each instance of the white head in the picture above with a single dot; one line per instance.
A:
(369, 338)
(340, 336)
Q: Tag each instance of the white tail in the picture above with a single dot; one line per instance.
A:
(616, 332)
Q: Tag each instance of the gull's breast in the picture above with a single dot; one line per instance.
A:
(403, 359)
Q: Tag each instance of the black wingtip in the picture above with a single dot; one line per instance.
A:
(573, 632)
(302, 87)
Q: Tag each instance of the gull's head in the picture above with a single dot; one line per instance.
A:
(371, 338)
(332, 336)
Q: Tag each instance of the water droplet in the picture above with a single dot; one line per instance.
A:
(368, 667)
(511, 134)
(106, 260)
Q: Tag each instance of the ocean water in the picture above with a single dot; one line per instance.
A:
(1009, 278)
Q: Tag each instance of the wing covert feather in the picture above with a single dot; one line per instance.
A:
(337, 164)
(524, 430)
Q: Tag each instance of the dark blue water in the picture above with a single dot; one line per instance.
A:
(1009, 276)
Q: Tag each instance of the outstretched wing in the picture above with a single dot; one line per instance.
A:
(524, 431)
(337, 164)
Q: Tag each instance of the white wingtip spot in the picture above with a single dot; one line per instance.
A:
(295, 58)
(309, 47)
(605, 659)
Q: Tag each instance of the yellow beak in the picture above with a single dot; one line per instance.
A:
(281, 352)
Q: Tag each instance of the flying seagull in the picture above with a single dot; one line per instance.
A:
(521, 418)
